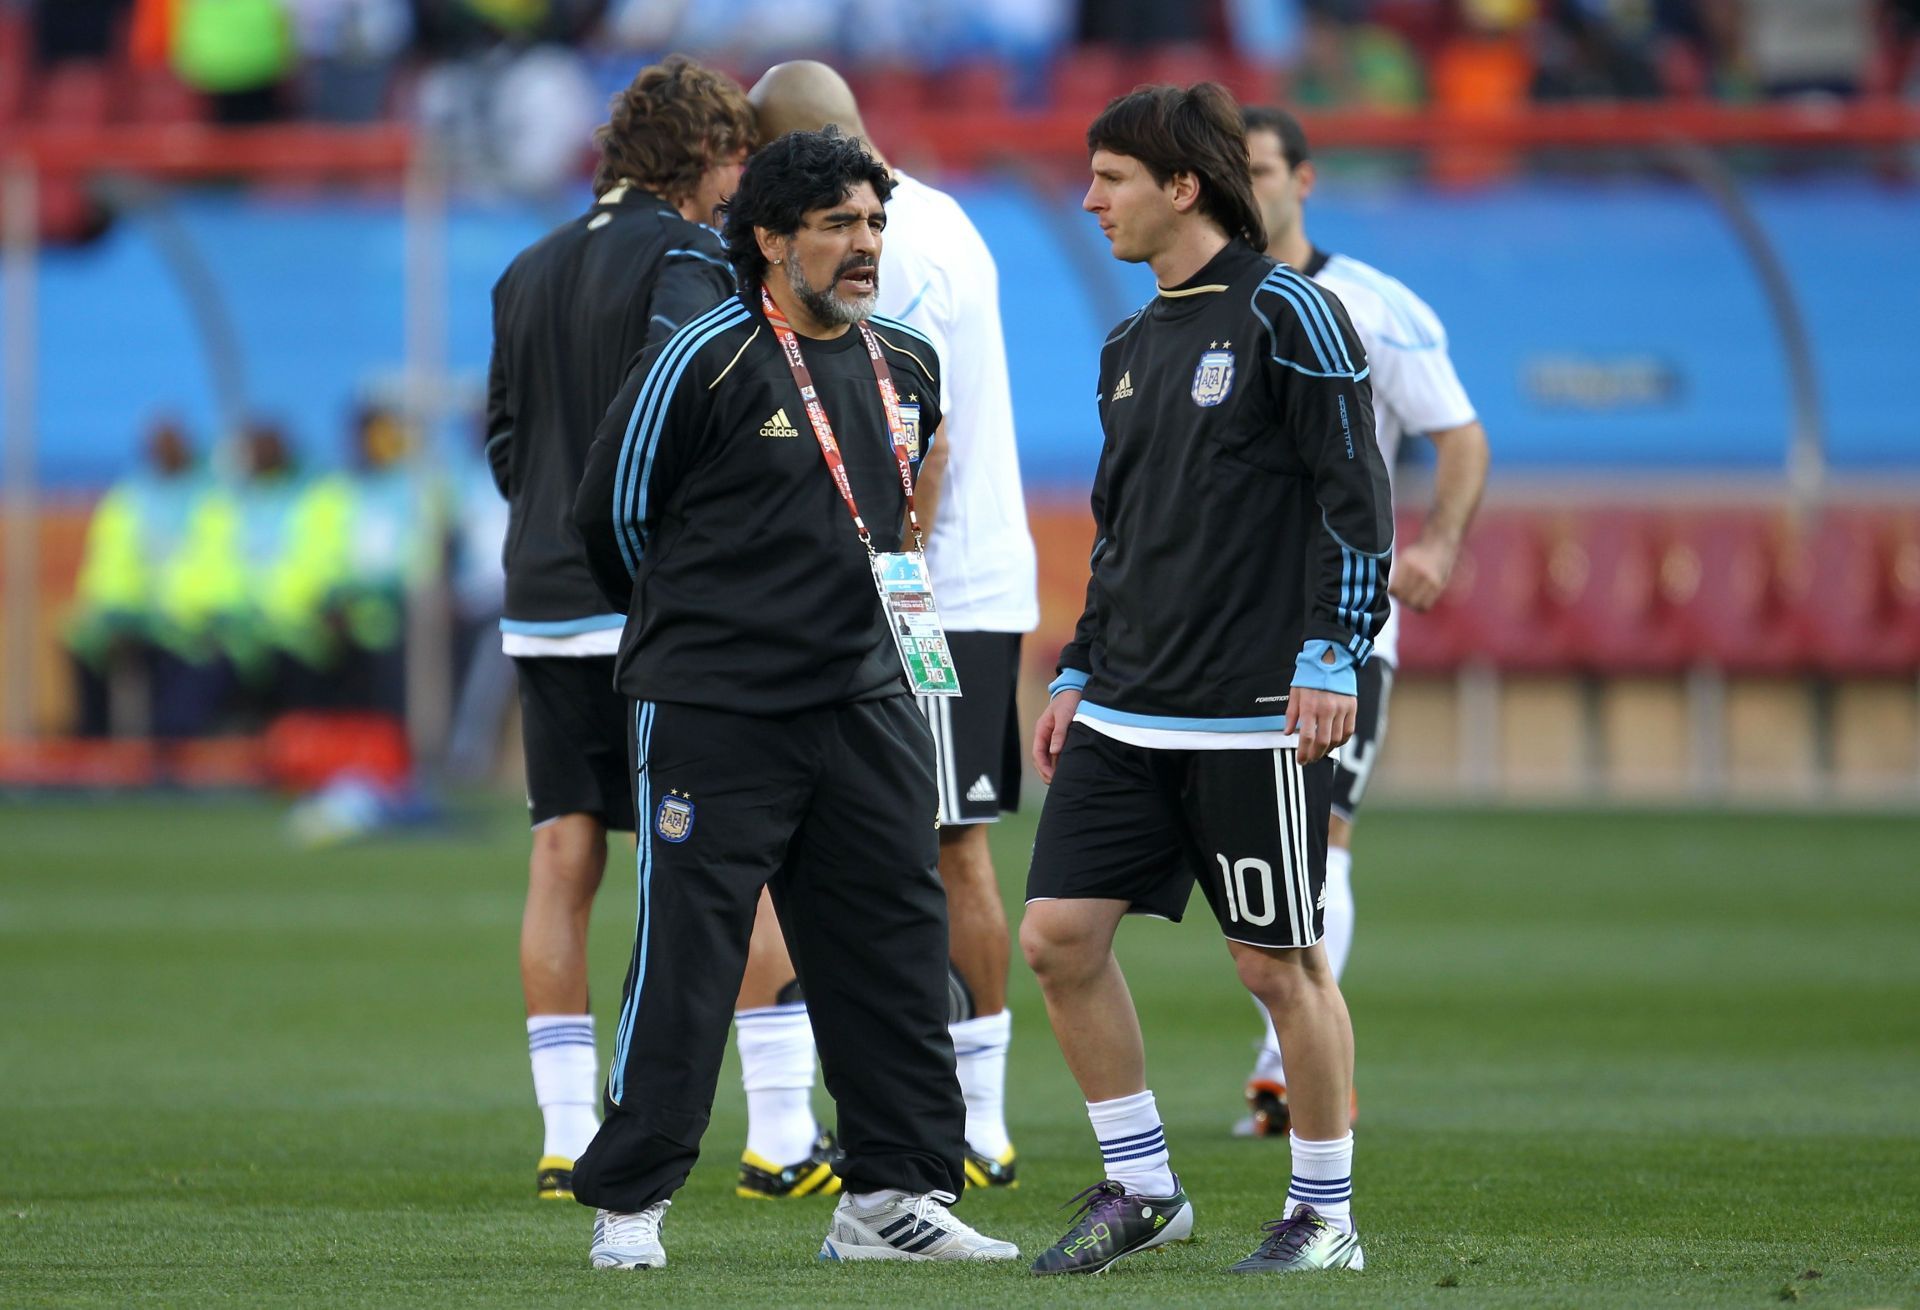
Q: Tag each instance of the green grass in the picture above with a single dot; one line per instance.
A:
(1605, 1059)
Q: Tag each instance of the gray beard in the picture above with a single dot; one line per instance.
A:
(827, 307)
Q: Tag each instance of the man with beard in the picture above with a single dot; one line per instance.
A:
(937, 276)
(775, 739)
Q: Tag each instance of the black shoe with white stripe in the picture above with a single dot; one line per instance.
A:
(907, 1228)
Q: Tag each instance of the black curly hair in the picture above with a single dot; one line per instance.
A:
(789, 179)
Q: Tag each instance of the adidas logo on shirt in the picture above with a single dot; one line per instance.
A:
(779, 425)
(1124, 387)
(982, 792)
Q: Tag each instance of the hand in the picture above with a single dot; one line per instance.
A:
(1324, 719)
(1420, 573)
(1050, 733)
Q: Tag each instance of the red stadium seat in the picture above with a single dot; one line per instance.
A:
(1865, 617)
(978, 86)
(1509, 601)
(75, 94)
(1178, 65)
(155, 95)
(1086, 77)
(1629, 614)
(888, 90)
(1756, 570)
(16, 64)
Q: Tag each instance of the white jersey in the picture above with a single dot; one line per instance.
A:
(937, 275)
(1414, 386)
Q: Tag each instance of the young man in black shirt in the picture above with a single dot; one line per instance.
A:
(1239, 574)
(747, 488)
(570, 316)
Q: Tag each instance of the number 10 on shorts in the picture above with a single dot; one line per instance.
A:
(1234, 879)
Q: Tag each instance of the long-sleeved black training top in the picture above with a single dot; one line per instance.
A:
(710, 517)
(570, 316)
(1241, 509)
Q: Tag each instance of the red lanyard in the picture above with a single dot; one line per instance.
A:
(823, 427)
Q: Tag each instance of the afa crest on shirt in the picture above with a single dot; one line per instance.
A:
(910, 428)
(1213, 379)
(673, 818)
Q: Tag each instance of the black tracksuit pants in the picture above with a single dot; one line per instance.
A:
(835, 809)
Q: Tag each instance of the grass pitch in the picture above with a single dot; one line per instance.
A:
(1605, 1059)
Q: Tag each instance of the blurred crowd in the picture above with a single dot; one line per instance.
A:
(363, 59)
(212, 602)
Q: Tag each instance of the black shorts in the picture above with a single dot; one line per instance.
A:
(1131, 823)
(1362, 750)
(573, 725)
(976, 735)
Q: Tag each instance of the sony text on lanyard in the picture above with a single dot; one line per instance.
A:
(901, 577)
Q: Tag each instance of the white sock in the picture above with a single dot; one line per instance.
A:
(980, 1054)
(566, 1081)
(873, 1200)
(1323, 1178)
(1133, 1143)
(1339, 915)
(776, 1069)
(1268, 1066)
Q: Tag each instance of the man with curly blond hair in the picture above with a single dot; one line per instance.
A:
(570, 315)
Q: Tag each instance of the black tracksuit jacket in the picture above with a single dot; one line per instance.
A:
(1241, 505)
(570, 317)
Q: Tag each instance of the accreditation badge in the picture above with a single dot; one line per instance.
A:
(906, 594)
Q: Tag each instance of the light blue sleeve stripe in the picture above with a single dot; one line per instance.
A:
(882, 321)
(564, 627)
(682, 345)
(657, 419)
(1069, 680)
(918, 296)
(683, 252)
(623, 472)
(1306, 322)
(1317, 299)
(1316, 335)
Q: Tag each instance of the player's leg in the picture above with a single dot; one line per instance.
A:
(1260, 819)
(787, 1153)
(860, 899)
(1109, 843)
(718, 797)
(1267, 1086)
(576, 763)
(977, 758)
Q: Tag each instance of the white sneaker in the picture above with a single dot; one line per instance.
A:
(629, 1241)
(907, 1228)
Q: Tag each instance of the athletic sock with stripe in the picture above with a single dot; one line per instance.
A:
(565, 1080)
(1133, 1143)
(1323, 1178)
(980, 1052)
(776, 1069)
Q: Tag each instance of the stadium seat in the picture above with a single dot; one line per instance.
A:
(1439, 640)
(1086, 77)
(1628, 613)
(1178, 65)
(155, 95)
(1756, 570)
(1509, 602)
(15, 64)
(885, 91)
(977, 86)
(1865, 619)
(75, 94)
